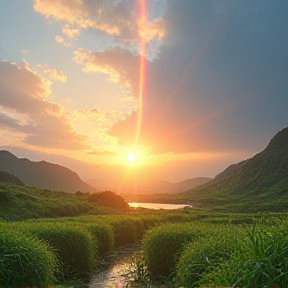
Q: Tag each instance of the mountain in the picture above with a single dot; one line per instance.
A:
(43, 174)
(259, 183)
(146, 186)
(232, 169)
(9, 178)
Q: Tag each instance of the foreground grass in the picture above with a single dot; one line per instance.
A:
(70, 246)
(190, 247)
(220, 255)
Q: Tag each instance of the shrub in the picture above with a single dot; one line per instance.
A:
(74, 246)
(109, 199)
(260, 259)
(162, 244)
(103, 235)
(127, 230)
(25, 260)
(204, 254)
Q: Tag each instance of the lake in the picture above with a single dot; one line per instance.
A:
(158, 206)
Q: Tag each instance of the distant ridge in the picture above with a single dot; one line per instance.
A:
(43, 174)
(148, 186)
(261, 181)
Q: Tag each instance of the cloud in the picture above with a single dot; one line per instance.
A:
(61, 40)
(26, 110)
(52, 72)
(121, 65)
(24, 51)
(27, 114)
(119, 19)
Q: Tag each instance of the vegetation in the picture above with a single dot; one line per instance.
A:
(221, 255)
(109, 199)
(23, 202)
(25, 260)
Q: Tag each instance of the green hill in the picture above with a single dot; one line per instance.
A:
(22, 202)
(261, 183)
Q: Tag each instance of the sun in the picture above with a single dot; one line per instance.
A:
(131, 157)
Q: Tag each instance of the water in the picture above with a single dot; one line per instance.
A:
(158, 206)
(117, 273)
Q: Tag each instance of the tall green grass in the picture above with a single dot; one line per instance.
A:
(24, 260)
(74, 246)
(260, 258)
(162, 244)
(205, 253)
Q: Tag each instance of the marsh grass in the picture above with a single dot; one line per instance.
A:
(74, 246)
(25, 261)
(260, 259)
(206, 253)
(162, 244)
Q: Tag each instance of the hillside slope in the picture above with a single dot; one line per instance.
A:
(23, 202)
(261, 183)
(43, 174)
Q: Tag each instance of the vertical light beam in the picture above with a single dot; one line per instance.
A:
(142, 64)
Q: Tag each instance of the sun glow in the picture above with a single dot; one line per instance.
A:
(131, 157)
(134, 157)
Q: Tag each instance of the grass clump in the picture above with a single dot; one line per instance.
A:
(162, 244)
(127, 230)
(25, 260)
(206, 253)
(74, 245)
(260, 259)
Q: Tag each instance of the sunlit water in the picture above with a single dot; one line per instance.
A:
(117, 274)
(158, 206)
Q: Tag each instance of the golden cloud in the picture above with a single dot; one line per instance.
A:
(116, 18)
(120, 65)
(61, 40)
(52, 72)
(25, 110)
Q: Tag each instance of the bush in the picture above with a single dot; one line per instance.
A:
(74, 246)
(25, 260)
(103, 235)
(127, 230)
(204, 254)
(261, 258)
(109, 199)
(162, 244)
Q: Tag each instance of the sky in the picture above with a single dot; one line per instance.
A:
(187, 87)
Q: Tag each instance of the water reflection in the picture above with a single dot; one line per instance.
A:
(158, 206)
(117, 273)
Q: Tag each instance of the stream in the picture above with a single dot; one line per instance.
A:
(118, 267)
